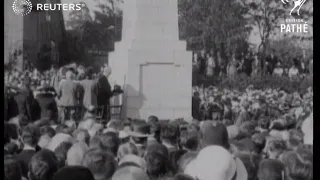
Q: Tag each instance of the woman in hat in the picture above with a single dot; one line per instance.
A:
(232, 67)
(256, 66)
(278, 71)
(210, 66)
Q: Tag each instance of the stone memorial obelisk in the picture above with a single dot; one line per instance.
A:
(151, 63)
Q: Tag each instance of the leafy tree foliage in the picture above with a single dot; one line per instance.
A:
(266, 15)
(213, 24)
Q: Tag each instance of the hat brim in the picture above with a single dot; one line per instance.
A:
(139, 135)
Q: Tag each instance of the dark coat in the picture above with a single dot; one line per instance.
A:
(196, 102)
(25, 100)
(202, 61)
(48, 106)
(24, 158)
(104, 91)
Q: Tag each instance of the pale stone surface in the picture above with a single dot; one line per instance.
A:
(151, 63)
(13, 32)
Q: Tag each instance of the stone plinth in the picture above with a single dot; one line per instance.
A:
(151, 63)
(13, 33)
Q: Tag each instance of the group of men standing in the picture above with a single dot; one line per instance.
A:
(66, 97)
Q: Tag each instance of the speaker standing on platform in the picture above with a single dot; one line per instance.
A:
(104, 91)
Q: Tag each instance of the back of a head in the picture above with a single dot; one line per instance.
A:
(47, 130)
(73, 173)
(43, 165)
(214, 133)
(30, 135)
(89, 73)
(126, 149)
(156, 164)
(130, 173)
(95, 142)
(75, 154)
(107, 71)
(274, 147)
(110, 142)
(247, 129)
(153, 119)
(81, 135)
(251, 163)
(189, 139)
(61, 152)
(115, 124)
(295, 139)
(298, 165)
(12, 169)
(160, 148)
(169, 133)
(270, 169)
(259, 139)
(102, 164)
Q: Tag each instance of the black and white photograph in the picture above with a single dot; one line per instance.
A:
(158, 89)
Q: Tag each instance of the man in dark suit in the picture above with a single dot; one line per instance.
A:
(271, 62)
(104, 91)
(202, 62)
(30, 136)
(25, 100)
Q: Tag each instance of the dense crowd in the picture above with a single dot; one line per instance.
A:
(264, 134)
(251, 64)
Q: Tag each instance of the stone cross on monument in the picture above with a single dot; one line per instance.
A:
(151, 63)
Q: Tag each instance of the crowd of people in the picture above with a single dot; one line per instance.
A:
(264, 134)
(251, 64)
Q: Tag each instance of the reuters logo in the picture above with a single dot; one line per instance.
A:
(22, 7)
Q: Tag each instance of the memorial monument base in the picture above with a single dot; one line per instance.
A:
(151, 63)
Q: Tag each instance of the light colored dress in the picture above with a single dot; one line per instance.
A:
(278, 71)
(232, 69)
(210, 67)
(293, 72)
(255, 68)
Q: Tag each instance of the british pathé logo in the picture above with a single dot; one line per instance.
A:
(297, 5)
(24, 7)
(294, 26)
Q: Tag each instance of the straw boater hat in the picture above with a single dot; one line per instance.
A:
(47, 90)
(140, 130)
